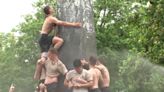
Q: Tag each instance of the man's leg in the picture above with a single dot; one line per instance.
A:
(95, 90)
(51, 87)
(58, 42)
(42, 87)
(105, 89)
(39, 66)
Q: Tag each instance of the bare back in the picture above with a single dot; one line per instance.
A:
(48, 25)
(96, 77)
(105, 75)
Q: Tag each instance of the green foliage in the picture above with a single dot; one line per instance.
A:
(131, 25)
(127, 27)
(130, 72)
(20, 53)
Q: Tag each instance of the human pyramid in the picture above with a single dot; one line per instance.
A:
(87, 76)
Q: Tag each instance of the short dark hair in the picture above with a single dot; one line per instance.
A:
(86, 66)
(46, 10)
(92, 60)
(53, 50)
(77, 63)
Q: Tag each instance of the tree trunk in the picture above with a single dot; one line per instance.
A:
(78, 42)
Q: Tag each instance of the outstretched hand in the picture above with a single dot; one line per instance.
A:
(77, 24)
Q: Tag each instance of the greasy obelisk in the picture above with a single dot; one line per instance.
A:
(78, 42)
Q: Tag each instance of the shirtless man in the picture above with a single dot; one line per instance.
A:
(105, 75)
(45, 40)
(48, 25)
(78, 79)
(97, 77)
(54, 67)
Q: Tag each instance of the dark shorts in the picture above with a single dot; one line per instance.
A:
(94, 90)
(45, 42)
(52, 87)
(105, 89)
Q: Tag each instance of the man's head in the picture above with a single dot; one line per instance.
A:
(102, 60)
(85, 64)
(77, 65)
(92, 60)
(48, 10)
(52, 53)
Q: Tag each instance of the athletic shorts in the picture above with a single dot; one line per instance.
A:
(94, 90)
(45, 42)
(105, 89)
(52, 87)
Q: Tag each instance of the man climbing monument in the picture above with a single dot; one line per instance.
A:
(46, 40)
(49, 23)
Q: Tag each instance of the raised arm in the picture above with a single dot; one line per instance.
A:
(64, 23)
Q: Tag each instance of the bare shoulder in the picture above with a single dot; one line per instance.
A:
(60, 63)
(52, 18)
(100, 67)
(70, 72)
(94, 71)
(104, 68)
(97, 71)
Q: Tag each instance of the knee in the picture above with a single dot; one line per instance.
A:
(61, 40)
(58, 40)
(38, 62)
(41, 86)
(41, 61)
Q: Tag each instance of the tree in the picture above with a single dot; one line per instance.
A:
(131, 25)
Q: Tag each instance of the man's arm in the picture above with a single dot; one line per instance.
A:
(62, 68)
(86, 85)
(39, 65)
(82, 81)
(89, 83)
(66, 82)
(100, 78)
(64, 23)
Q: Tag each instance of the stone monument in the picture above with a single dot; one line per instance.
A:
(78, 42)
